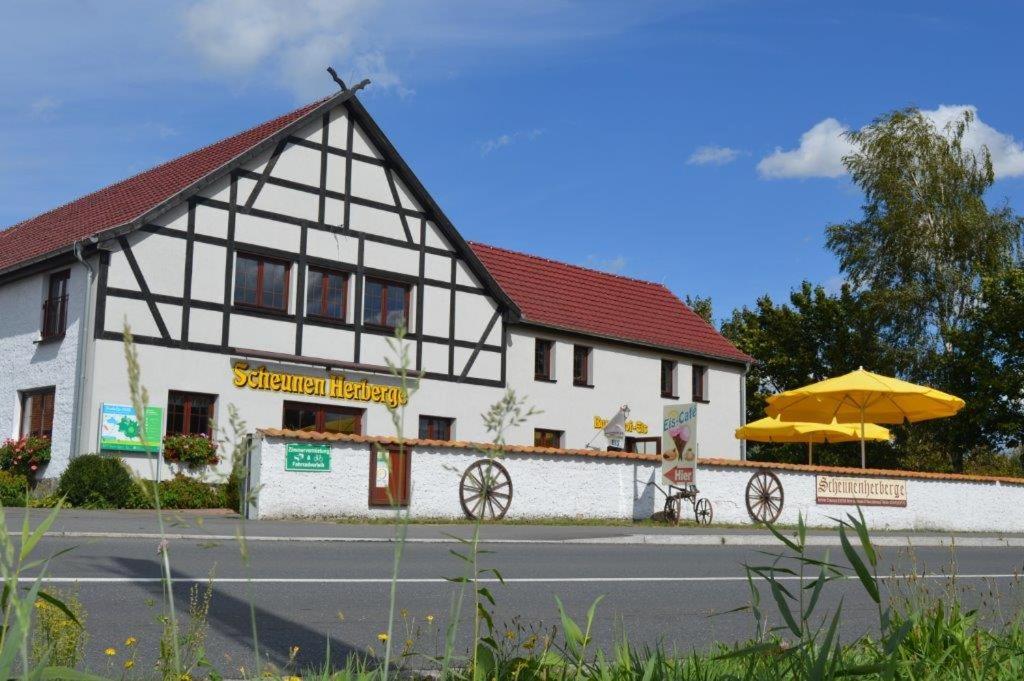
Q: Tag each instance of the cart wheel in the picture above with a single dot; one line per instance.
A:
(485, 490)
(702, 509)
(764, 497)
(673, 509)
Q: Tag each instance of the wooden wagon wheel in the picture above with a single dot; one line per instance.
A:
(702, 509)
(673, 509)
(764, 497)
(485, 490)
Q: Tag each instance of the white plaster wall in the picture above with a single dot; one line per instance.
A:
(25, 364)
(951, 505)
(620, 376)
(585, 487)
(607, 488)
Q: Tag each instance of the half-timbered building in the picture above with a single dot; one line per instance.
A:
(271, 271)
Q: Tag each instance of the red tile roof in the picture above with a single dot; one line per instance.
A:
(129, 199)
(556, 294)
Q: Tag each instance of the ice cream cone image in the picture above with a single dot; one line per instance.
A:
(670, 455)
(680, 436)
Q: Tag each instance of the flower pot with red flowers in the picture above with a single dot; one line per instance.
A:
(190, 451)
(25, 456)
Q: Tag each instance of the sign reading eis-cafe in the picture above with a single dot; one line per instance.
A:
(335, 386)
(847, 491)
(679, 444)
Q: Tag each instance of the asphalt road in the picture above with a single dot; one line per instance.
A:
(319, 595)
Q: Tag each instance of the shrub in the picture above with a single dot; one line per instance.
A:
(13, 489)
(185, 492)
(95, 481)
(231, 497)
(192, 451)
(25, 456)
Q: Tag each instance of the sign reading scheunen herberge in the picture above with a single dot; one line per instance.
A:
(846, 490)
(336, 386)
(679, 444)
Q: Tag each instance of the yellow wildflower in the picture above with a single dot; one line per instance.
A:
(382, 636)
(128, 664)
(430, 618)
(530, 642)
(130, 641)
(403, 613)
(293, 678)
(510, 635)
(110, 652)
(408, 643)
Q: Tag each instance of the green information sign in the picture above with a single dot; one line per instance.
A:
(308, 457)
(120, 429)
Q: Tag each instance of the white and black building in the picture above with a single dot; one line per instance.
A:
(270, 270)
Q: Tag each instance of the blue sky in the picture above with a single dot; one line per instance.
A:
(691, 143)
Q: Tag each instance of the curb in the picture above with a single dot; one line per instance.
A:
(626, 540)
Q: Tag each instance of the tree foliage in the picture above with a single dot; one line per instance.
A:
(702, 306)
(935, 295)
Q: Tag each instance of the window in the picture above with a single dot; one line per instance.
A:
(643, 445)
(389, 477)
(581, 366)
(261, 282)
(436, 428)
(386, 304)
(542, 437)
(55, 307)
(189, 413)
(543, 364)
(37, 412)
(326, 293)
(700, 383)
(668, 378)
(322, 418)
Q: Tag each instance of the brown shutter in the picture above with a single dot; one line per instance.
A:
(46, 423)
(35, 421)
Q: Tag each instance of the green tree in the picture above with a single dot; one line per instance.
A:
(926, 236)
(702, 306)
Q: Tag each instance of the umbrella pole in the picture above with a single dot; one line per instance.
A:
(863, 458)
(810, 452)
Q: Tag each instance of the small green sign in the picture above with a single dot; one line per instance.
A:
(120, 429)
(308, 457)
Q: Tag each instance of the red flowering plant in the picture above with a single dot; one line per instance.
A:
(192, 451)
(25, 456)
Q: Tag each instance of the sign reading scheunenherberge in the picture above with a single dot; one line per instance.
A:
(849, 491)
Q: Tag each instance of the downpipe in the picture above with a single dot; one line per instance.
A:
(83, 332)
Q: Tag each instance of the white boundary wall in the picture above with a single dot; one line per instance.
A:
(579, 486)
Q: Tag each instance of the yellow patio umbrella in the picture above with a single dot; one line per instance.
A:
(771, 429)
(861, 397)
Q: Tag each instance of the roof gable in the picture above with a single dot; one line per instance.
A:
(570, 297)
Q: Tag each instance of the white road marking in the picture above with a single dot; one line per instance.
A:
(438, 580)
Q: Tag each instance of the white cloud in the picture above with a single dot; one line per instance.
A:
(507, 139)
(45, 106)
(614, 265)
(712, 155)
(820, 154)
(821, 149)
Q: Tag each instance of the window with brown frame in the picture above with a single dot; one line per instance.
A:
(55, 307)
(700, 383)
(386, 304)
(436, 427)
(643, 445)
(668, 378)
(37, 412)
(581, 366)
(544, 437)
(326, 293)
(189, 413)
(389, 477)
(543, 364)
(322, 418)
(262, 283)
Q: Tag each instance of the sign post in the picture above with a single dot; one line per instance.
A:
(306, 457)
(679, 444)
(121, 431)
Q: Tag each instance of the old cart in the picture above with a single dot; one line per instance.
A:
(674, 498)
